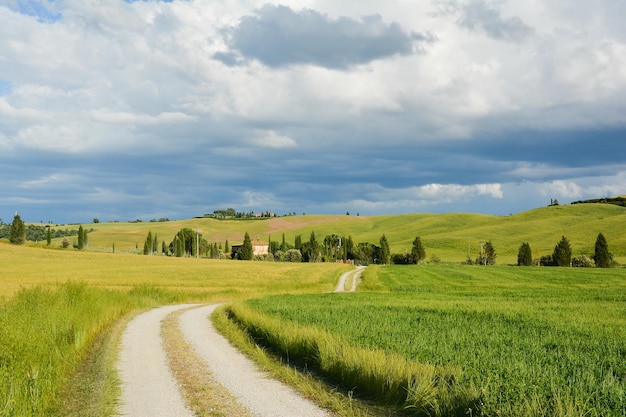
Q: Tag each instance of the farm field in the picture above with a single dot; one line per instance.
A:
(527, 341)
(193, 279)
(58, 309)
(448, 236)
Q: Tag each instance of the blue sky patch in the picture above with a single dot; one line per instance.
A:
(42, 10)
(5, 87)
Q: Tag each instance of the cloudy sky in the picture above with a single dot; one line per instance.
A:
(146, 109)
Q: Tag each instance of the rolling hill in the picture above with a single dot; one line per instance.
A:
(448, 236)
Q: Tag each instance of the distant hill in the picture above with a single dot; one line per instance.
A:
(449, 236)
(619, 201)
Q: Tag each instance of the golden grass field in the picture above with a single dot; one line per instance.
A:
(202, 279)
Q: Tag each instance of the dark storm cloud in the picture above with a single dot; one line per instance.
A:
(279, 36)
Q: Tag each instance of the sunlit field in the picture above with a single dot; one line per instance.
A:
(528, 341)
(201, 279)
(58, 307)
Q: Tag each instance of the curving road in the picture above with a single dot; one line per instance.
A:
(149, 388)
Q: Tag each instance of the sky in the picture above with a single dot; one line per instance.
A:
(123, 110)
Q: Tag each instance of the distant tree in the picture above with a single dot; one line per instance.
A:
(96, 220)
(314, 252)
(367, 253)
(81, 237)
(49, 236)
(487, 255)
(562, 255)
(385, 255)
(148, 244)
(17, 233)
(418, 253)
(283, 245)
(601, 255)
(349, 248)
(226, 247)
(298, 242)
(246, 253)
(524, 255)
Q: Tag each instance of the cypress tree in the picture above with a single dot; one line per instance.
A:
(81, 237)
(385, 255)
(246, 253)
(418, 253)
(49, 236)
(314, 247)
(524, 255)
(562, 253)
(602, 256)
(17, 233)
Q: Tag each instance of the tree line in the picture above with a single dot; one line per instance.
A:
(18, 233)
(562, 255)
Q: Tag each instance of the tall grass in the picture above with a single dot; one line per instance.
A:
(387, 377)
(44, 337)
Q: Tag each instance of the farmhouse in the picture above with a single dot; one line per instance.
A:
(258, 248)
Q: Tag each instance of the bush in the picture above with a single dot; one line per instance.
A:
(583, 261)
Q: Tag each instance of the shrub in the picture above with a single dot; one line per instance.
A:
(582, 261)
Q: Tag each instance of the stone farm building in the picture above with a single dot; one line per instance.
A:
(258, 248)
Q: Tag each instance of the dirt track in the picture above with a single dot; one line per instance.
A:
(149, 388)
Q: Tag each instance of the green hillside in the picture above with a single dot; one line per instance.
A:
(446, 235)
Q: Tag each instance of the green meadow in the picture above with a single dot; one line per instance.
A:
(510, 341)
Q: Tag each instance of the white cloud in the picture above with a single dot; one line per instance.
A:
(106, 116)
(274, 140)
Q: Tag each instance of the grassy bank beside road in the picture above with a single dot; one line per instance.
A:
(532, 341)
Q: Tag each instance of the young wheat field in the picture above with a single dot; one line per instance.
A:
(521, 341)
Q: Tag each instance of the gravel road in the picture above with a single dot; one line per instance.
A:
(264, 397)
(148, 386)
(341, 284)
(150, 390)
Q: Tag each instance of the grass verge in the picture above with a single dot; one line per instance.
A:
(58, 348)
(387, 384)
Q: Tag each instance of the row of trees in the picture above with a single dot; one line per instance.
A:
(331, 249)
(562, 255)
(17, 232)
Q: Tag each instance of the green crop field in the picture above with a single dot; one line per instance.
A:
(527, 341)
(448, 236)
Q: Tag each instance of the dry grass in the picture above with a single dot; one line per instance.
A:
(197, 279)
